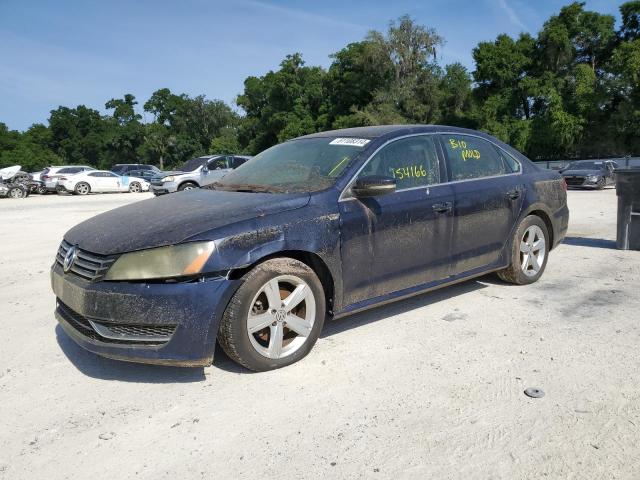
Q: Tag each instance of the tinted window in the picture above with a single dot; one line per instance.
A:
(191, 165)
(218, 163)
(237, 161)
(94, 174)
(70, 170)
(586, 165)
(472, 157)
(412, 161)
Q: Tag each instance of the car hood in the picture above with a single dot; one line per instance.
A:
(170, 172)
(581, 173)
(174, 218)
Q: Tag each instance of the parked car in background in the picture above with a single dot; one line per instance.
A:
(101, 181)
(14, 183)
(195, 173)
(589, 174)
(128, 168)
(50, 175)
(146, 174)
(335, 222)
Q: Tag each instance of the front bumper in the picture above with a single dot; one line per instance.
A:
(182, 318)
(162, 188)
(580, 182)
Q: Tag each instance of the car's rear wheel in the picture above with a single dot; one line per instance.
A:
(275, 317)
(135, 187)
(529, 252)
(82, 188)
(187, 186)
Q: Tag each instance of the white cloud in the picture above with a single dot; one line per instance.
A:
(510, 12)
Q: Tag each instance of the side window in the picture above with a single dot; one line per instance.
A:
(218, 163)
(512, 165)
(473, 157)
(237, 161)
(94, 174)
(412, 161)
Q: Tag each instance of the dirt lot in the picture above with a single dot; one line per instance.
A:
(426, 388)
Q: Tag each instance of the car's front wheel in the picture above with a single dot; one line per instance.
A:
(187, 186)
(529, 252)
(275, 317)
(135, 187)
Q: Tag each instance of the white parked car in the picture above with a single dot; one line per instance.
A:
(50, 175)
(101, 181)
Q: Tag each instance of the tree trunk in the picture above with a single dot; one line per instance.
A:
(161, 162)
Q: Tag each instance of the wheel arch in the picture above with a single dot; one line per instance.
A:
(310, 259)
(184, 182)
(546, 218)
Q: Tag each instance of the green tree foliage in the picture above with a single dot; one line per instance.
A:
(572, 90)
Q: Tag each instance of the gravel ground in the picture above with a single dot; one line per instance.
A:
(431, 387)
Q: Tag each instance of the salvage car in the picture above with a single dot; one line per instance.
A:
(100, 181)
(590, 174)
(326, 224)
(15, 183)
(195, 173)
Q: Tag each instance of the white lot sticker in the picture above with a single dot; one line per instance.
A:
(352, 142)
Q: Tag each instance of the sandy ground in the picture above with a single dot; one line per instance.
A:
(431, 387)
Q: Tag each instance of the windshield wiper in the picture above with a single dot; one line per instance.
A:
(247, 187)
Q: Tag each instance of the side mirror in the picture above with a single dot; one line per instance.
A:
(373, 185)
(205, 169)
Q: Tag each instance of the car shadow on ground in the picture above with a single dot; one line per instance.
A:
(399, 307)
(95, 366)
(589, 242)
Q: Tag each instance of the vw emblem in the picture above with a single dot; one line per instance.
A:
(69, 258)
(281, 315)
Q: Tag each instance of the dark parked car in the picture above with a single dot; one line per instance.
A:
(127, 168)
(330, 223)
(590, 173)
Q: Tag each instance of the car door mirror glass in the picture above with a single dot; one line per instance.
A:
(373, 186)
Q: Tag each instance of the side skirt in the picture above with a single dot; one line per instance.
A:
(413, 291)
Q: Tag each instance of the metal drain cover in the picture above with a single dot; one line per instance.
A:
(534, 393)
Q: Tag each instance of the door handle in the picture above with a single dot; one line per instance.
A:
(442, 207)
(513, 194)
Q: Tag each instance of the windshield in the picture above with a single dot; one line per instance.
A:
(304, 165)
(586, 166)
(191, 165)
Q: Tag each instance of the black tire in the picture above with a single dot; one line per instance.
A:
(135, 187)
(601, 184)
(233, 334)
(187, 186)
(42, 190)
(514, 272)
(81, 190)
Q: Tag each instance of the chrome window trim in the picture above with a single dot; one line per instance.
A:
(344, 196)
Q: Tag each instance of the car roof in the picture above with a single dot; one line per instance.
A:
(389, 130)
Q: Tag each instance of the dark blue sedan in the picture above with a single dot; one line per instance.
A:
(327, 224)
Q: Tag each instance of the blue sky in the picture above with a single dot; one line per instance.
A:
(71, 52)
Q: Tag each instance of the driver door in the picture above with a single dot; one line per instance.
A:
(216, 169)
(399, 240)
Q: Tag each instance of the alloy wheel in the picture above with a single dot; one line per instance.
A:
(281, 317)
(532, 250)
(135, 188)
(82, 189)
(16, 193)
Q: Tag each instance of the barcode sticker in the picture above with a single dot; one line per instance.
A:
(351, 142)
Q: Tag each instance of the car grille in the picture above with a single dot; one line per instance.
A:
(574, 181)
(87, 265)
(109, 332)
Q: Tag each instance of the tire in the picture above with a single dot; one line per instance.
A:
(135, 187)
(522, 242)
(82, 188)
(16, 192)
(42, 190)
(187, 186)
(601, 184)
(259, 351)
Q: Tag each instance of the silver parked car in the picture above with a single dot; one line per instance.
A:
(195, 173)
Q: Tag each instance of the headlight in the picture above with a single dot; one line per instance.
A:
(162, 262)
(593, 178)
(170, 178)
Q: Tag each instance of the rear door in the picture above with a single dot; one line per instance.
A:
(399, 240)
(489, 191)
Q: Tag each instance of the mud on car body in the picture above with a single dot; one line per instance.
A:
(330, 223)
